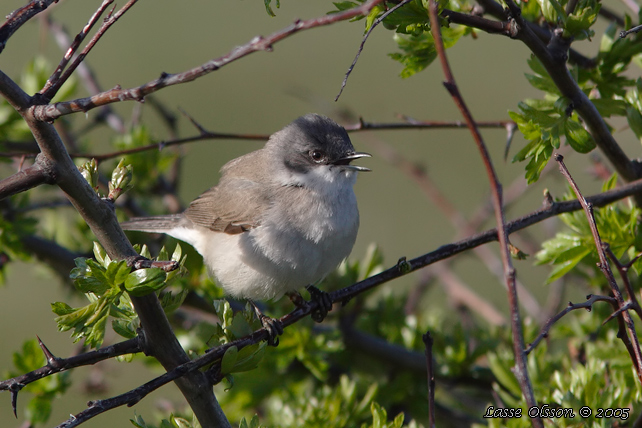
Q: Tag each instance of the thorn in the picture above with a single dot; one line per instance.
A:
(15, 388)
(52, 360)
(198, 126)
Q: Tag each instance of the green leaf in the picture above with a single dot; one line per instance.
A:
(229, 359)
(268, 6)
(39, 409)
(578, 137)
(145, 281)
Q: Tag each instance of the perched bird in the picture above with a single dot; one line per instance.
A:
(280, 218)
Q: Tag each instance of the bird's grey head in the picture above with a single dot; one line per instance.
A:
(314, 142)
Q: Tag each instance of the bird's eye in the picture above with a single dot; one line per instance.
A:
(317, 156)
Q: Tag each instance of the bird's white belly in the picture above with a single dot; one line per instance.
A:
(247, 267)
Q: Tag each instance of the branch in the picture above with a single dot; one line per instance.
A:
(100, 217)
(363, 43)
(495, 9)
(521, 363)
(212, 135)
(506, 28)
(56, 81)
(636, 354)
(554, 57)
(89, 80)
(56, 365)
(19, 16)
(344, 295)
(55, 77)
(51, 112)
(588, 305)
(41, 172)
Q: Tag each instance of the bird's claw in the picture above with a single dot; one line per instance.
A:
(323, 300)
(273, 326)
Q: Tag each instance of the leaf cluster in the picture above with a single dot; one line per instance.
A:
(108, 285)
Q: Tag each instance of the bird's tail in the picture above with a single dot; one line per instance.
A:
(157, 224)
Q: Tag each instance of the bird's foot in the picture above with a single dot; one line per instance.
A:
(273, 326)
(323, 300)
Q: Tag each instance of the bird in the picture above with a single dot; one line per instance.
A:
(281, 218)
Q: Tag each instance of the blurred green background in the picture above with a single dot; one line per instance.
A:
(260, 94)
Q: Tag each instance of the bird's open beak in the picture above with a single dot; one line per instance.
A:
(345, 161)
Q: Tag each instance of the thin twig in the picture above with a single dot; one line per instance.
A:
(604, 266)
(521, 364)
(210, 135)
(623, 269)
(363, 43)
(75, 45)
(90, 81)
(52, 87)
(588, 305)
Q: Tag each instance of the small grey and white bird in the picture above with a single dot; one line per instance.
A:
(281, 218)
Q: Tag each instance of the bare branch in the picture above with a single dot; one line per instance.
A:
(35, 175)
(521, 364)
(89, 80)
(55, 82)
(19, 16)
(57, 365)
(53, 111)
(627, 320)
(54, 78)
(588, 305)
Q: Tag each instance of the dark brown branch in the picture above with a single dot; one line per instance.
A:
(56, 81)
(521, 364)
(636, 355)
(39, 173)
(20, 16)
(56, 365)
(507, 28)
(588, 305)
(553, 56)
(53, 111)
(496, 10)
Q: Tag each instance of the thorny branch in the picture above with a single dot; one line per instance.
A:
(588, 305)
(521, 364)
(633, 344)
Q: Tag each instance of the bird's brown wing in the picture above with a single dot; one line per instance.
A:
(234, 206)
